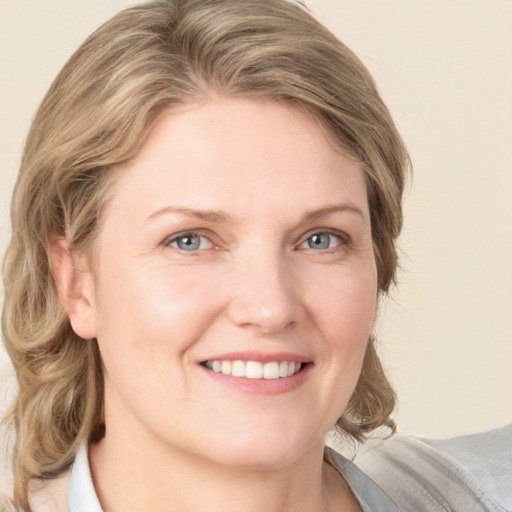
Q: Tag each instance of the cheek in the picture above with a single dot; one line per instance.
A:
(345, 312)
(157, 312)
(345, 303)
(343, 306)
(146, 325)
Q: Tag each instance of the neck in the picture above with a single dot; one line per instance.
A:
(138, 476)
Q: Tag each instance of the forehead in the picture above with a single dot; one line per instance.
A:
(240, 153)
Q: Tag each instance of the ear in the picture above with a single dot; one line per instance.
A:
(74, 283)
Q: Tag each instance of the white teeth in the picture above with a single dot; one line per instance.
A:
(255, 369)
(271, 370)
(238, 369)
(283, 369)
(226, 367)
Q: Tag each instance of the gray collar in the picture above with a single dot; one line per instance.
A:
(370, 496)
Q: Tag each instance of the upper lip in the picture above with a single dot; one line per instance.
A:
(260, 357)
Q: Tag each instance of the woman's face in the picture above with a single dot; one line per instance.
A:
(234, 286)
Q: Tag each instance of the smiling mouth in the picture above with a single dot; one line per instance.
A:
(255, 369)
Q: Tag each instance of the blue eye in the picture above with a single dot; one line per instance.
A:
(190, 242)
(322, 241)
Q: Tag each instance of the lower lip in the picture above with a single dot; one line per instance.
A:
(261, 386)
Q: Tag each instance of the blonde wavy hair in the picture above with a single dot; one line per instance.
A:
(96, 116)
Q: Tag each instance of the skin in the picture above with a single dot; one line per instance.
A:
(256, 283)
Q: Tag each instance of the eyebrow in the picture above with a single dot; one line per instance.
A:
(329, 210)
(219, 216)
(206, 215)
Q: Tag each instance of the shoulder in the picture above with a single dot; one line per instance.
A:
(470, 473)
(5, 504)
(51, 495)
(48, 496)
(44, 495)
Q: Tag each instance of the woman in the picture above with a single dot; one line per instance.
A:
(204, 219)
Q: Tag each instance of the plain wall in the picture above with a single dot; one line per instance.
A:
(445, 69)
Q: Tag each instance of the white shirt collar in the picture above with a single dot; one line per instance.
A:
(82, 496)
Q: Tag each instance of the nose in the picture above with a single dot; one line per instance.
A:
(265, 295)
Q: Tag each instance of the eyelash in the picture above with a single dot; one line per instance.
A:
(188, 234)
(343, 240)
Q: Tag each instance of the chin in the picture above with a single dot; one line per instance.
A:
(258, 458)
(264, 449)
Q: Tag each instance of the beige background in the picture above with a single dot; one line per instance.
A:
(445, 69)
